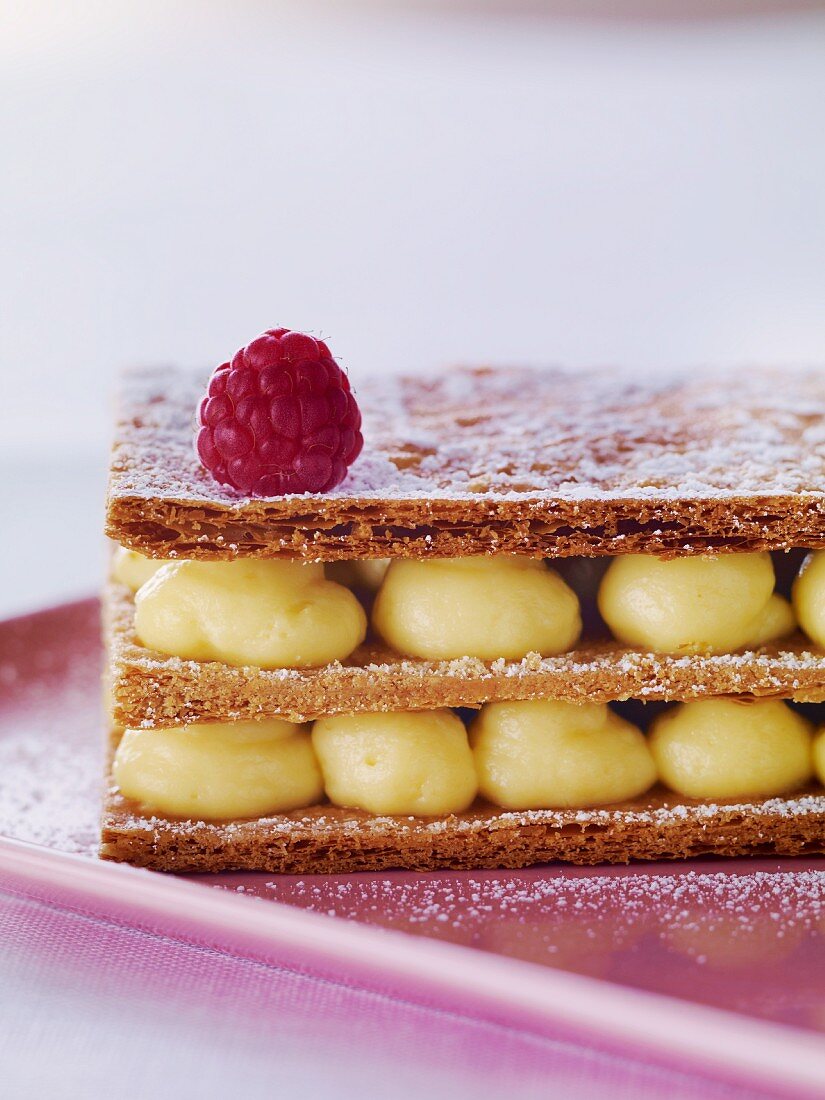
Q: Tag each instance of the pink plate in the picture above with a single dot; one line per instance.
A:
(719, 965)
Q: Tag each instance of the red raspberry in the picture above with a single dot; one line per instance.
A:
(280, 418)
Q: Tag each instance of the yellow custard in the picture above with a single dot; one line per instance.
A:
(132, 569)
(547, 754)
(366, 573)
(397, 763)
(819, 755)
(809, 597)
(221, 770)
(732, 748)
(476, 607)
(708, 604)
(271, 614)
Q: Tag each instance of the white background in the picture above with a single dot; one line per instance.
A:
(419, 184)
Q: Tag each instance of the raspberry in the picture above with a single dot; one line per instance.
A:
(280, 418)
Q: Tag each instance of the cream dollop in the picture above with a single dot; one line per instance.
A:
(809, 597)
(220, 770)
(272, 614)
(366, 573)
(819, 755)
(708, 604)
(415, 763)
(132, 569)
(476, 607)
(732, 748)
(548, 754)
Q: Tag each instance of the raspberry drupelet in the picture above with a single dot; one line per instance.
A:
(280, 418)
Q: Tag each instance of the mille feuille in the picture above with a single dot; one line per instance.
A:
(539, 616)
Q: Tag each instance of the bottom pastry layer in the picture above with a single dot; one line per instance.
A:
(326, 839)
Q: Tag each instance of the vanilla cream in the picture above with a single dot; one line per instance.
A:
(732, 748)
(809, 597)
(415, 763)
(476, 607)
(708, 604)
(221, 770)
(271, 614)
(366, 573)
(819, 755)
(546, 754)
(132, 569)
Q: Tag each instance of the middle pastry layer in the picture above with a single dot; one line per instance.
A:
(153, 689)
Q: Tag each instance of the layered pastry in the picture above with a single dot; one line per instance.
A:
(540, 615)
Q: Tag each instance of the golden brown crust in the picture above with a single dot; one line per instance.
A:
(505, 461)
(325, 839)
(151, 689)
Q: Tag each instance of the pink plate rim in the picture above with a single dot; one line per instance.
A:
(510, 991)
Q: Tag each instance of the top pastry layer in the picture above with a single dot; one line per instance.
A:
(510, 460)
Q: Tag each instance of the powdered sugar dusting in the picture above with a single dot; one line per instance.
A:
(775, 666)
(680, 900)
(649, 810)
(749, 937)
(50, 728)
(519, 434)
(751, 942)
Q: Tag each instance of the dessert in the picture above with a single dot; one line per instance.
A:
(298, 643)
